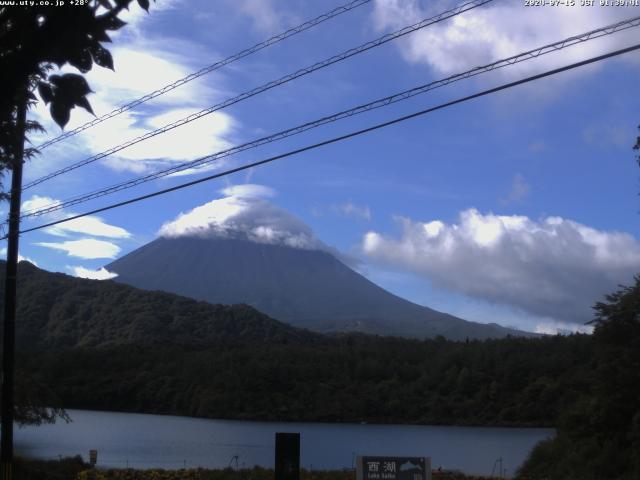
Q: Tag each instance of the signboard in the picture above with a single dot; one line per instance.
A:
(393, 468)
(93, 457)
(287, 464)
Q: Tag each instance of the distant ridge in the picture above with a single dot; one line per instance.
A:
(57, 311)
(306, 288)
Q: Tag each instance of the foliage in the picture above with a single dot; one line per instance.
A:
(58, 311)
(104, 345)
(64, 469)
(255, 473)
(35, 402)
(36, 38)
(599, 436)
(508, 382)
(33, 39)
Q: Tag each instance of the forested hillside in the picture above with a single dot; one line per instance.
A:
(599, 435)
(103, 345)
(100, 345)
(348, 379)
(57, 311)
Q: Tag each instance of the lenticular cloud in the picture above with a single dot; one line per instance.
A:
(553, 267)
(244, 214)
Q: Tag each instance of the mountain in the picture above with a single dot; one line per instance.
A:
(306, 288)
(56, 311)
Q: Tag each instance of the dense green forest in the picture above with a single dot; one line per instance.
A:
(524, 382)
(99, 345)
(57, 311)
(599, 435)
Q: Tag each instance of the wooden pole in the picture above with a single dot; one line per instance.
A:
(11, 274)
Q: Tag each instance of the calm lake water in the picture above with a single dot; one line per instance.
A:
(144, 441)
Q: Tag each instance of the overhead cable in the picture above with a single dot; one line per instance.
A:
(267, 86)
(208, 69)
(338, 139)
(397, 97)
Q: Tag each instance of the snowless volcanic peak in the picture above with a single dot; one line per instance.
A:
(243, 249)
(305, 288)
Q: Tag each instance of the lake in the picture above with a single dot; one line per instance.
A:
(145, 441)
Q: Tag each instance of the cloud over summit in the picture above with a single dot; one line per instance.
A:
(244, 213)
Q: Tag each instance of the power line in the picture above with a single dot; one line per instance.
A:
(267, 86)
(607, 30)
(340, 138)
(203, 71)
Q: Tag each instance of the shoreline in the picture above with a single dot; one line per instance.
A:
(310, 422)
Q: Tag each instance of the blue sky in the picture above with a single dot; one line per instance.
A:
(519, 208)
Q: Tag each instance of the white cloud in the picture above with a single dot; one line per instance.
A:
(265, 17)
(499, 30)
(200, 137)
(101, 274)
(244, 213)
(554, 268)
(140, 69)
(3, 253)
(87, 248)
(552, 327)
(36, 202)
(248, 190)
(352, 210)
(137, 18)
(518, 190)
(89, 225)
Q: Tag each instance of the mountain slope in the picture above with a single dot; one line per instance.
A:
(58, 311)
(307, 288)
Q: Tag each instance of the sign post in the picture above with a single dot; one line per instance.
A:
(93, 457)
(287, 464)
(393, 468)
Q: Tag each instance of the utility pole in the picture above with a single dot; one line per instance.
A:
(9, 328)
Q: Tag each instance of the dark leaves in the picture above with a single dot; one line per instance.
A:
(100, 35)
(102, 56)
(60, 112)
(33, 40)
(70, 84)
(81, 59)
(30, 152)
(66, 92)
(45, 91)
(84, 103)
(33, 126)
(110, 22)
(123, 3)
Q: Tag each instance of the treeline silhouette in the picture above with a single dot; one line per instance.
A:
(57, 311)
(599, 434)
(351, 378)
(100, 345)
